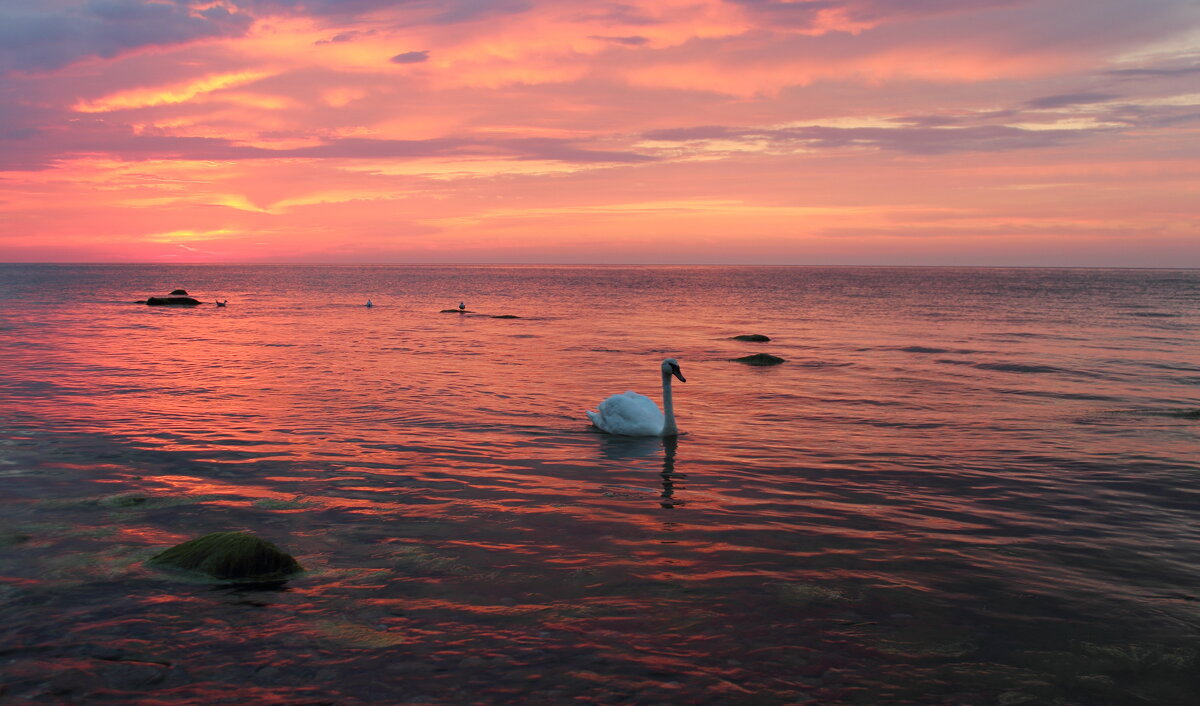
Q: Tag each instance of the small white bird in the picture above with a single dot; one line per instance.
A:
(631, 414)
(369, 304)
(222, 303)
(462, 306)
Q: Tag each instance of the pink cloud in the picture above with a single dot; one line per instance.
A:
(544, 129)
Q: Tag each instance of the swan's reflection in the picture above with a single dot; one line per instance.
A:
(667, 499)
(624, 448)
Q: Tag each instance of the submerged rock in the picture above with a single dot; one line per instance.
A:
(506, 316)
(456, 311)
(755, 337)
(759, 359)
(230, 556)
(123, 500)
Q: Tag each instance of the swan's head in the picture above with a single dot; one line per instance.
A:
(670, 366)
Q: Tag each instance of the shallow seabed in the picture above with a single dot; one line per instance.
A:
(964, 486)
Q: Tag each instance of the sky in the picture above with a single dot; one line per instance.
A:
(807, 132)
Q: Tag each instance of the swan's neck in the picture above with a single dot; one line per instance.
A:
(669, 428)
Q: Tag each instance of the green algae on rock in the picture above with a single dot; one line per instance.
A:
(230, 556)
(759, 359)
(755, 337)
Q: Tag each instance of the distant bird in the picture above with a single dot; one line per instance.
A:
(369, 304)
(631, 414)
(222, 303)
(462, 306)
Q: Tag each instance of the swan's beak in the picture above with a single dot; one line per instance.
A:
(676, 372)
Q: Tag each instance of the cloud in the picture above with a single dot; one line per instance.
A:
(912, 140)
(341, 37)
(46, 36)
(633, 41)
(166, 95)
(28, 149)
(1156, 72)
(1069, 99)
(446, 12)
(819, 16)
(410, 57)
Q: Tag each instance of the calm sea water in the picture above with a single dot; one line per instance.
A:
(964, 486)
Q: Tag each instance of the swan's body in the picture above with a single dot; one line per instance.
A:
(631, 414)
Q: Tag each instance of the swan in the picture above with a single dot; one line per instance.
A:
(631, 414)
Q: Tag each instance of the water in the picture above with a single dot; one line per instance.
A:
(964, 486)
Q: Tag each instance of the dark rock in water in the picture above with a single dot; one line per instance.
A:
(179, 292)
(506, 316)
(230, 556)
(172, 300)
(456, 311)
(756, 337)
(1187, 414)
(759, 359)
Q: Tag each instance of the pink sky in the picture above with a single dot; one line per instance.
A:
(975, 132)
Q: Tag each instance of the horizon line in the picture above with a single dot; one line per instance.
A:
(592, 264)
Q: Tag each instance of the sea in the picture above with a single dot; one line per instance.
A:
(968, 486)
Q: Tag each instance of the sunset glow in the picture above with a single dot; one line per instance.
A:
(981, 132)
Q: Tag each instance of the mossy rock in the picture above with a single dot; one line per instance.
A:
(230, 556)
(759, 359)
(506, 316)
(753, 337)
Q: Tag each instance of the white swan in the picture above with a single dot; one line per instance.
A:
(631, 414)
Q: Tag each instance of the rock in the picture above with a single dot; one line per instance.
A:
(759, 359)
(128, 676)
(10, 538)
(71, 682)
(230, 556)
(506, 316)
(413, 666)
(178, 297)
(456, 311)
(123, 500)
(471, 663)
(755, 337)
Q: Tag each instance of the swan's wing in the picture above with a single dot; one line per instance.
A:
(629, 414)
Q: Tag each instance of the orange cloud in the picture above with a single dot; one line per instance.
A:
(168, 95)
